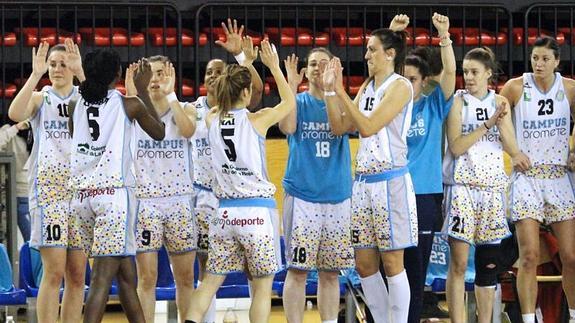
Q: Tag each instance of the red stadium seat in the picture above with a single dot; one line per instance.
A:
(355, 83)
(32, 36)
(354, 36)
(120, 86)
(8, 39)
(156, 36)
(421, 37)
(100, 36)
(187, 87)
(533, 33)
(8, 90)
(568, 32)
(472, 37)
(218, 33)
(305, 36)
(19, 82)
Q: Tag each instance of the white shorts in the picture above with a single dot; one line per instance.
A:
(105, 221)
(49, 224)
(474, 216)
(318, 235)
(169, 221)
(384, 213)
(241, 235)
(546, 200)
(205, 208)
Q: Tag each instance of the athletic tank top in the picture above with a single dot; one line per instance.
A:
(101, 152)
(482, 164)
(387, 149)
(238, 158)
(201, 150)
(314, 148)
(542, 122)
(50, 157)
(163, 167)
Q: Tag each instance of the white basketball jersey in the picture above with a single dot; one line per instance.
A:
(49, 171)
(387, 149)
(482, 164)
(542, 122)
(201, 150)
(101, 152)
(238, 158)
(163, 167)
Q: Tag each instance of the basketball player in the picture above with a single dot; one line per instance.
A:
(164, 189)
(245, 231)
(206, 203)
(479, 128)
(49, 195)
(384, 219)
(317, 209)
(543, 103)
(101, 123)
(424, 141)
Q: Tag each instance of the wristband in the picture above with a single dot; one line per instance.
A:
(240, 58)
(485, 125)
(172, 97)
(329, 93)
(444, 40)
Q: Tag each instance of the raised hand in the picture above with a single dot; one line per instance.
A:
(129, 80)
(73, 58)
(269, 55)
(293, 76)
(168, 83)
(250, 51)
(39, 60)
(399, 23)
(142, 75)
(441, 23)
(233, 43)
(333, 75)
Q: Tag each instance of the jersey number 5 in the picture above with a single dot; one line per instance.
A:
(227, 134)
(92, 113)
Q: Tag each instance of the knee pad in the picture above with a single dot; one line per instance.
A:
(486, 265)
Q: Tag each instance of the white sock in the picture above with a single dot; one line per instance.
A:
(210, 316)
(329, 321)
(572, 315)
(376, 297)
(399, 297)
(528, 318)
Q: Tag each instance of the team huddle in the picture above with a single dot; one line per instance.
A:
(114, 176)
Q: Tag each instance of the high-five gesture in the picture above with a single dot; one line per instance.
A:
(293, 77)
(441, 23)
(250, 51)
(333, 75)
(233, 43)
(168, 83)
(74, 59)
(269, 54)
(129, 80)
(142, 75)
(399, 23)
(39, 60)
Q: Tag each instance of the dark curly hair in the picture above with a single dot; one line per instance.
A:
(101, 68)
